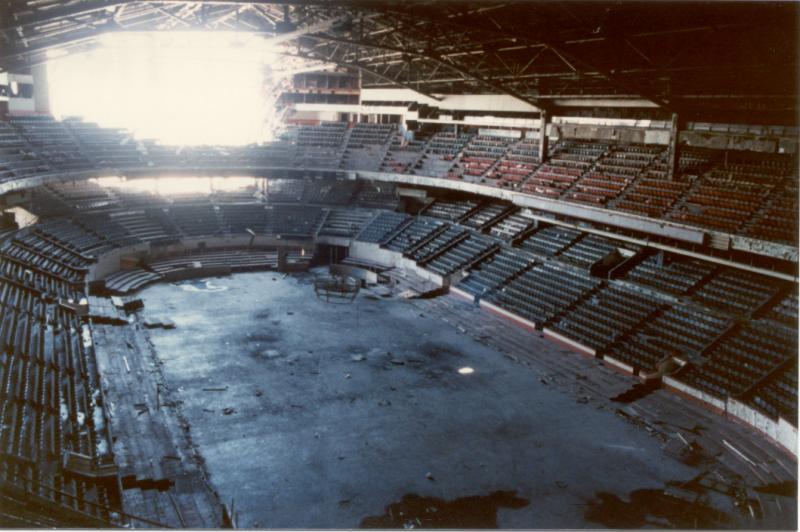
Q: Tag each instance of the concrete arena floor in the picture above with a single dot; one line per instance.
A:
(341, 411)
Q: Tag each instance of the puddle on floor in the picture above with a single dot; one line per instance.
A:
(414, 511)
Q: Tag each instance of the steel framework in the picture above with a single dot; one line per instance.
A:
(685, 58)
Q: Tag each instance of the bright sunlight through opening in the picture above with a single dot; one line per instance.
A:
(178, 88)
(168, 186)
(466, 371)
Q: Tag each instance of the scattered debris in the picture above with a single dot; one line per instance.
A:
(259, 393)
(543, 380)
(358, 358)
(738, 453)
(347, 376)
(208, 410)
(221, 389)
(583, 400)
(429, 476)
(384, 402)
(561, 484)
(228, 411)
(397, 362)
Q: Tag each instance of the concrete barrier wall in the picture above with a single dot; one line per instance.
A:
(374, 253)
(491, 307)
(621, 365)
(779, 430)
(719, 404)
(109, 262)
(409, 264)
(787, 435)
(569, 341)
(193, 273)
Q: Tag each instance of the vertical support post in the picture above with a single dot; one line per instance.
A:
(673, 155)
(544, 120)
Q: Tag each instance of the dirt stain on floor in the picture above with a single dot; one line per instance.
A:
(415, 511)
(654, 508)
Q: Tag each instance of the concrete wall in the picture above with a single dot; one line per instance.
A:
(110, 262)
(17, 104)
(374, 253)
(732, 141)
(781, 431)
(719, 404)
(617, 134)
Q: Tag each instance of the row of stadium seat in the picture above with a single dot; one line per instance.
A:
(743, 193)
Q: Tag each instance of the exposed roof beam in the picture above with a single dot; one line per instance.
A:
(440, 60)
(317, 56)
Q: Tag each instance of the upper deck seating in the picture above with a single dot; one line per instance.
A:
(612, 173)
(106, 147)
(285, 190)
(479, 155)
(440, 153)
(52, 141)
(366, 146)
(18, 159)
(402, 155)
(652, 195)
(515, 166)
(568, 162)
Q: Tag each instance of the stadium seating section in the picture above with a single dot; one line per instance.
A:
(744, 193)
(734, 332)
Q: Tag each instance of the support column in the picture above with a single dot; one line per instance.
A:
(673, 157)
(544, 121)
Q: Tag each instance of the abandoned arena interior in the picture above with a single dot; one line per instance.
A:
(422, 264)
